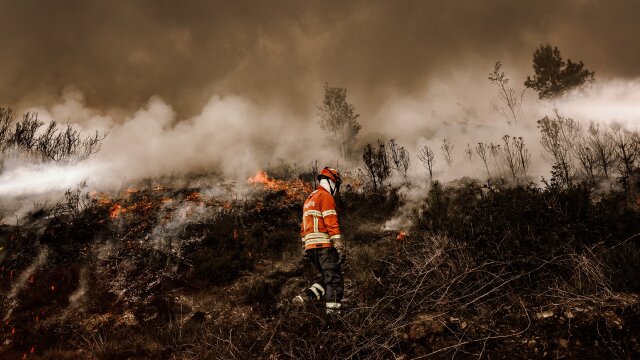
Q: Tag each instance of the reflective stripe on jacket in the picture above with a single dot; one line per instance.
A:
(319, 220)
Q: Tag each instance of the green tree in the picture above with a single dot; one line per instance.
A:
(553, 76)
(339, 118)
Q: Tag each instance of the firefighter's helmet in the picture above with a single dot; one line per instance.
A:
(331, 174)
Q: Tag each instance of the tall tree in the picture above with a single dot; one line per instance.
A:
(428, 158)
(553, 76)
(558, 141)
(447, 151)
(509, 101)
(400, 158)
(338, 117)
(376, 162)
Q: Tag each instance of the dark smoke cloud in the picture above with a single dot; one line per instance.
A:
(121, 53)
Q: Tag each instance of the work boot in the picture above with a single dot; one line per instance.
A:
(333, 308)
(316, 292)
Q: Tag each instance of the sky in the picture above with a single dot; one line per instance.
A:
(234, 85)
(121, 53)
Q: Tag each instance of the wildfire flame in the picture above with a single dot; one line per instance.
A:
(115, 211)
(401, 235)
(194, 196)
(296, 189)
(261, 177)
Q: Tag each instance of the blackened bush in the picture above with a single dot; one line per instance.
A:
(506, 221)
(356, 208)
(521, 225)
(215, 267)
(624, 260)
(75, 219)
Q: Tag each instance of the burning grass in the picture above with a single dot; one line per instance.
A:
(188, 273)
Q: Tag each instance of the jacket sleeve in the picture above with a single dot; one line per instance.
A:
(330, 217)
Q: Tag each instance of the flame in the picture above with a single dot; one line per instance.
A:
(401, 235)
(115, 211)
(296, 189)
(261, 177)
(101, 198)
(53, 288)
(194, 196)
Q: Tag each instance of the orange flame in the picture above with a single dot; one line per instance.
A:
(296, 189)
(261, 177)
(115, 211)
(194, 196)
(401, 235)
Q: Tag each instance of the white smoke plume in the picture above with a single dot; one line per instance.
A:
(75, 299)
(616, 102)
(231, 136)
(234, 136)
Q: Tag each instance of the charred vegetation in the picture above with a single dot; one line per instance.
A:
(162, 272)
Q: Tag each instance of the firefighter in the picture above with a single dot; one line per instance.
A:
(322, 243)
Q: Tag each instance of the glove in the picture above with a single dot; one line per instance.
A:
(337, 244)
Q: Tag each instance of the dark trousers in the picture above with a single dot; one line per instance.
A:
(326, 262)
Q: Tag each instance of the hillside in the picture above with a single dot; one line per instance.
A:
(195, 273)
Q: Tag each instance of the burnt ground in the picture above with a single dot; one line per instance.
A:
(164, 273)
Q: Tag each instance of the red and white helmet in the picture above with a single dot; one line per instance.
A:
(331, 174)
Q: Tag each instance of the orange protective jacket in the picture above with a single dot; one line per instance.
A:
(319, 220)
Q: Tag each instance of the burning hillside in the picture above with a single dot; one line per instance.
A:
(296, 189)
(204, 186)
(163, 272)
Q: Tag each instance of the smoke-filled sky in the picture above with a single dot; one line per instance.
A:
(120, 53)
(234, 85)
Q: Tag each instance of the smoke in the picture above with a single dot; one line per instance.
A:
(453, 110)
(282, 53)
(75, 299)
(165, 236)
(37, 179)
(233, 136)
(610, 103)
(22, 279)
